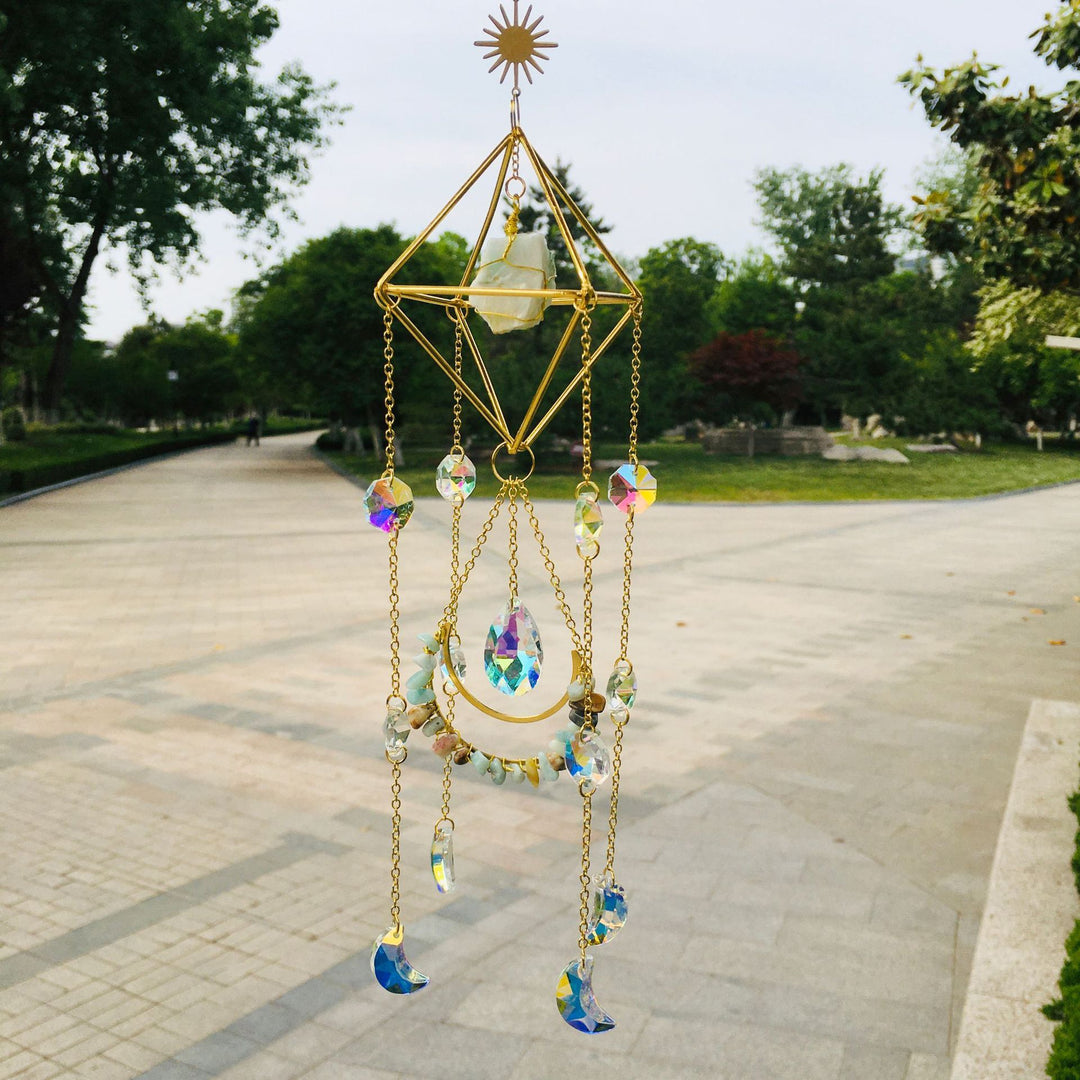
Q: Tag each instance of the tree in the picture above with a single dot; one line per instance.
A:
(140, 378)
(199, 358)
(1020, 223)
(741, 372)
(122, 120)
(754, 296)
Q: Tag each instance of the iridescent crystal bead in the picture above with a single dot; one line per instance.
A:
(623, 684)
(588, 521)
(455, 476)
(457, 658)
(587, 757)
(576, 1001)
(608, 913)
(395, 731)
(388, 503)
(513, 652)
(632, 488)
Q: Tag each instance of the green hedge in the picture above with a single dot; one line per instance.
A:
(1064, 1063)
(16, 481)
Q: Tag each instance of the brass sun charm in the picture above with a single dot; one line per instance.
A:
(515, 44)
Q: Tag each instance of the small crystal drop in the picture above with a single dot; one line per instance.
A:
(623, 684)
(587, 757)
(632, 488)
(389, 503)
(513, 652)
(455, 476)
(442, 857)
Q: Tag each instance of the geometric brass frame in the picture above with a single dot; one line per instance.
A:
(454, 298)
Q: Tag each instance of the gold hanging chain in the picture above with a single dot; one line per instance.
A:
(395, 614)
(450, 612)
(585, 878)
(512, 549)
(586, 398)
(635, 384)
(395, 845)
(455, 445)
(613, 812)
(388, 375)
(549, 566)
(587, 676)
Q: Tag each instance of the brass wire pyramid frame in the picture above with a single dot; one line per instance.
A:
(455, 298)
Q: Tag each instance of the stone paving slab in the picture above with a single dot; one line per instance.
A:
(194, 798)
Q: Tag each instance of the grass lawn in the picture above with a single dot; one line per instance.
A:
(47, 446)
(685, 473)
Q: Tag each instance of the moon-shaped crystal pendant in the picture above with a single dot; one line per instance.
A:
(442, 857)
(391, 966)
(608, 914)
(576, 1001)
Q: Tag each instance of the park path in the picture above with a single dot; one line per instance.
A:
(194, 801)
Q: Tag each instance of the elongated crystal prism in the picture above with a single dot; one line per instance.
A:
(588, 520)
(622, 684)
(513, 652)
(442, 857)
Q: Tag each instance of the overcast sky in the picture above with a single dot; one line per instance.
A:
(664, 110)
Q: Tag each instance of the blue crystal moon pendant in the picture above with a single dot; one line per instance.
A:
(576, 1001)
(608, 914)
(391, 966)
(513, 653)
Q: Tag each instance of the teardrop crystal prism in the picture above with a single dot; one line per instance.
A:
(587, 756)
(442, 857)
(513, 653)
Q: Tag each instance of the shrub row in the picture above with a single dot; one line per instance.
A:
(1064, 1063)
(16, 481)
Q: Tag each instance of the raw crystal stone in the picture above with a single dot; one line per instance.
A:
(442, 857)
(513, 262)
(480, 761)
(389, 503)
(513, 652)
(425, 661)
(516, 774)
(455, 476)
(395, 731)
(497, 772)
(632, 488)
(608, 913)
(422, 696)
(418, 680)
(588, 521)
(429, 642)
(587, 757)
(622, 684)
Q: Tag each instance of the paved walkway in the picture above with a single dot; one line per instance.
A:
(194, 803)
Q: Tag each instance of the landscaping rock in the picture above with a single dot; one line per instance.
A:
(840, 453)
(931, 448)
(877, 453)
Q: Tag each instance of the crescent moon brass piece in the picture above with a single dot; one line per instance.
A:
(576, 1001)
(476, 703)
(391, 966)
(608, 914)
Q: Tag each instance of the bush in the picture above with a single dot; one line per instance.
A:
(331, 440)
(1064, 1063)
(14, 424)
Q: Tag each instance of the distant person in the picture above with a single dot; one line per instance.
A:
(253, 431)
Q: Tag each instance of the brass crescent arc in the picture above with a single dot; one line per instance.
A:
(448, 665)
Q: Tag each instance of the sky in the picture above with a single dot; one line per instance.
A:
(664, 111)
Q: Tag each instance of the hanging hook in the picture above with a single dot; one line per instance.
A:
(515, 109)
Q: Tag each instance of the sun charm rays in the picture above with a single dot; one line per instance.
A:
(508, 286)
(516, 44)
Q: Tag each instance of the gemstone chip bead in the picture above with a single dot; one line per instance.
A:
(388, 503)
(632, 488)
(455, 476)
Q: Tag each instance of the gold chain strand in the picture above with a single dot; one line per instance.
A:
(635, 384)
(585, 878)
(512, 558)
(587, 643)
(628, 566)
(586, 398)
(450, 612)
(455, 444)
(395, 632)
(388, 374)
(549, 566)
(395, 846)
(613, 812)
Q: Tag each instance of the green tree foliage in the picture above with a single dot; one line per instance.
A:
(120, 121)
(740, 373)
(678, 280)
(311, 331)
(1020, 222)
(754, 296)
(202, 357)
(140, 378)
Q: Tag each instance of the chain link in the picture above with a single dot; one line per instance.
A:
(635, 384)
(395, 846)
(512, 552)
(455, 445)
(388, 375)
(613, 812)
(395, 613)
(585, 877)
(450, 611)
(549, 566)
(586, 398)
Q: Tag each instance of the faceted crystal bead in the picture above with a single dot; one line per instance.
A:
(455, 476)
(395, 731)
(513, 652)
(442, 857)
(588, 521)
(623, 684)
(587, 757)
(632, 488)
(389, 503)
(457, 658)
